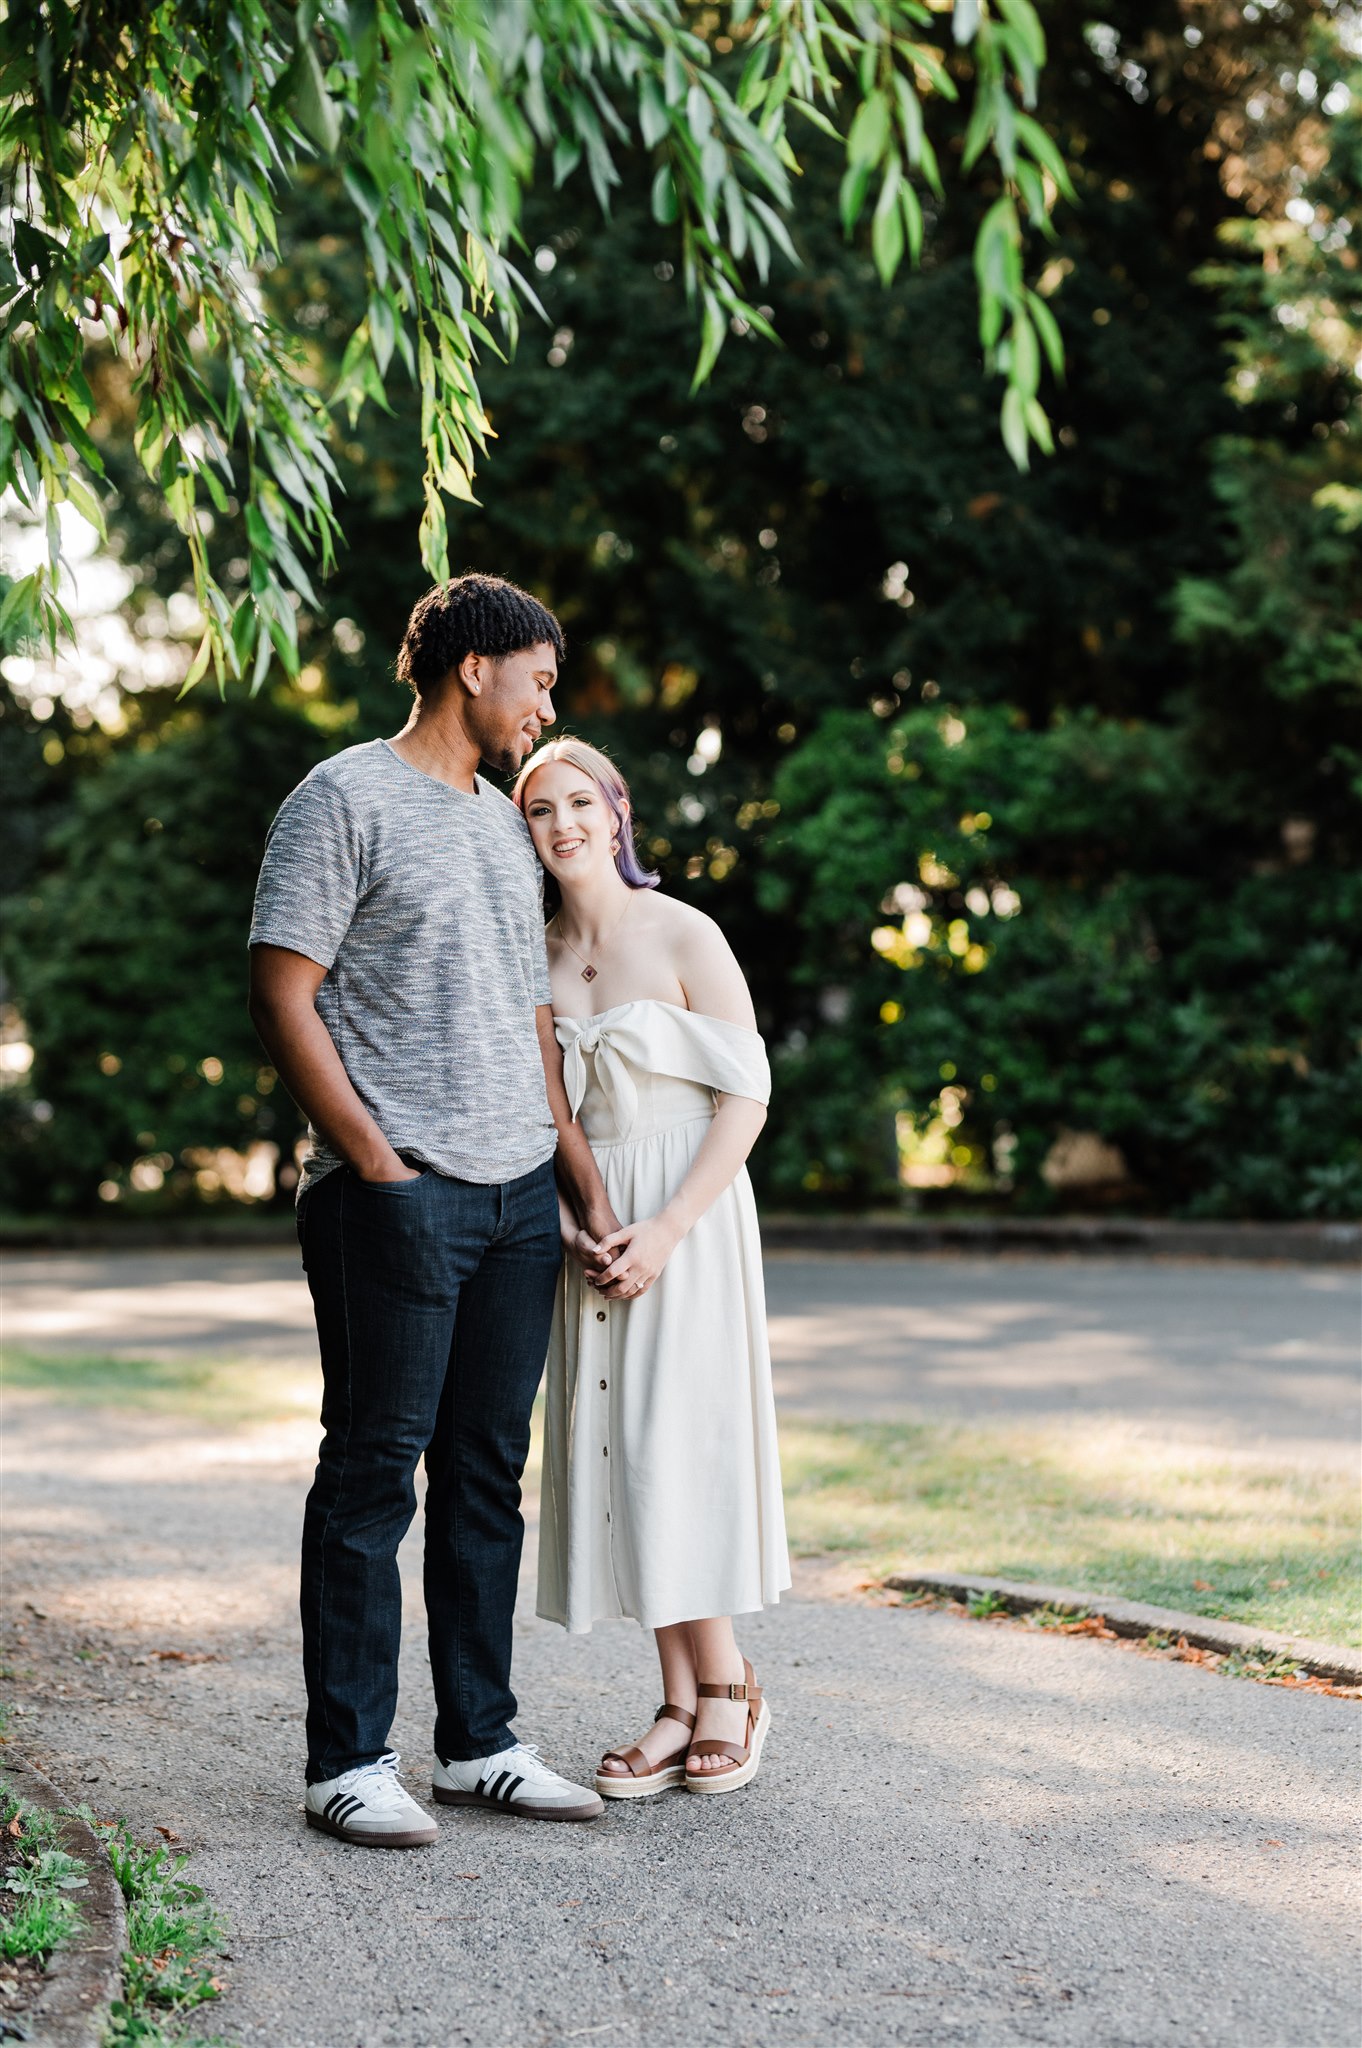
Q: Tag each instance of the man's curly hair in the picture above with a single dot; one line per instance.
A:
(472, 615)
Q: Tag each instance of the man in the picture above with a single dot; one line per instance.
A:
(399, 984)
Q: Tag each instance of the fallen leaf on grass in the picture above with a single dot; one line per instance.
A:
(1202, 1586)
(1278, 1585)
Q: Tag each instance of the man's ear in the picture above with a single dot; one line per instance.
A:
(471, 673)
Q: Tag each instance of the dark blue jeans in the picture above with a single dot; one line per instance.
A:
(433, 1300)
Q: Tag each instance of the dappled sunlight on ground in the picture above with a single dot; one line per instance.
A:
(1229, 1354)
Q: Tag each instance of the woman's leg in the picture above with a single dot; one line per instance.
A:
(718, 1661)
(677, 1659)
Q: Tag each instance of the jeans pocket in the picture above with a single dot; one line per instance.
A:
(392, 1187)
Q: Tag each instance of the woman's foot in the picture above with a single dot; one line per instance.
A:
(722, 1720)
(662, 1741)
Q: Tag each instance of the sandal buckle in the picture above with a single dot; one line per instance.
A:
(737, 1692)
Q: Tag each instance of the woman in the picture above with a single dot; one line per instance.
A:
(661, 1494)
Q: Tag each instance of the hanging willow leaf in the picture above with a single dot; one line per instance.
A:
(190, 126)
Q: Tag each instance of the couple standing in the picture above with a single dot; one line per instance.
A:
(483, 1094)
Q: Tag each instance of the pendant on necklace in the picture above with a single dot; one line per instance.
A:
(588, 974)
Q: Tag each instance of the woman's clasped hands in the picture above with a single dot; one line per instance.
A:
(625, 1263)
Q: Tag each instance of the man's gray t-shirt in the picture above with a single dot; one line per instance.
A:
(423, 903)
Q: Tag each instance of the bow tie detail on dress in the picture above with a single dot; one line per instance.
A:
(612, 1075)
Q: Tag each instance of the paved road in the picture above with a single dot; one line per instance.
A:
(962, 1834)
(1247, 1353)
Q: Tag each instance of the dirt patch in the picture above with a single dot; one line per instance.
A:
(21, 1987)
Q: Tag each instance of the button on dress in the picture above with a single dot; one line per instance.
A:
(661, 1493)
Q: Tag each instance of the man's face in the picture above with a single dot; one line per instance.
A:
(512, 703)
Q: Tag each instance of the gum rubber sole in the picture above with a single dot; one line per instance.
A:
(520, 1811)
(407, 1838)
(709, 1784)
(611, 1787)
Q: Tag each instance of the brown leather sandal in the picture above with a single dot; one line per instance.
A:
(645, 1777)
(746, 1756)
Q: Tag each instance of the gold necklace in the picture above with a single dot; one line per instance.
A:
(589, 970)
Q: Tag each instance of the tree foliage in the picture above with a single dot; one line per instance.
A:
(129, 939)
(1039, 931)
(149, 155)
(849, 656)
(1135, 913)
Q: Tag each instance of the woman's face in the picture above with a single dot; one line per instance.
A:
(570, 822)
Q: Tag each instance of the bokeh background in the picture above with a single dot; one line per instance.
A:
(1030, 803)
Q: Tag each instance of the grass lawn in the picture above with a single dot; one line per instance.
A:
(218, 1390)
(1212, 1531)
(1100, 1508)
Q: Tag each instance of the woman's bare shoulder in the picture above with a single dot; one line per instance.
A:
(680, 924)
(702, 960)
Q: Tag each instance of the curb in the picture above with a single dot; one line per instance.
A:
(1305, 1244)
(1297, 1244)
(84, 1975)
(1133, 1618)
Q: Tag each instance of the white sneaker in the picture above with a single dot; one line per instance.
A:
(516, 1780)
(369, 1805)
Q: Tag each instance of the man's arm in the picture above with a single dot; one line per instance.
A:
(283, 1010)
(579, 1177)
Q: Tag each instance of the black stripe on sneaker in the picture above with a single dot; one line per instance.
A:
(509, 1794)
(348, 1806)
(492, 1789)
(336, 1799)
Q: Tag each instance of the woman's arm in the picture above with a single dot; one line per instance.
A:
(714, 986)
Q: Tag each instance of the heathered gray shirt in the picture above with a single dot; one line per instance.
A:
(423, 903)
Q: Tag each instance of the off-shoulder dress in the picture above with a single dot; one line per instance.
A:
(661, 1492)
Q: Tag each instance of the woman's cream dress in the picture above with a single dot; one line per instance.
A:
(661, 1493)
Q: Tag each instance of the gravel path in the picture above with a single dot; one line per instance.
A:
(961, 1833)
